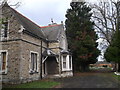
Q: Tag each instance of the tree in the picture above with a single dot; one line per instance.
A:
(15, 3)
(81, 35)
(113, 51)
(105, 15)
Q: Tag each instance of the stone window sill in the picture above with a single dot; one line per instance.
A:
(3, 73)
(33, 72)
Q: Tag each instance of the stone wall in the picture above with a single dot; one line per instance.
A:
(54, 47)
(13, 25)
(13, 61)
(63, 41)
(12, 45)
(34, 45)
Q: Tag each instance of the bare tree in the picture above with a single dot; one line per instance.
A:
(105, 15)
(16, 3)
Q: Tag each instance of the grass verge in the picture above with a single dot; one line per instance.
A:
(36, 84)
(116, 76)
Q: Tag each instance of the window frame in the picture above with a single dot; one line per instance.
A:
(6, 65)
(67, 63)
(3, 31)
(64, 61)
(70, 62)
(33, 69)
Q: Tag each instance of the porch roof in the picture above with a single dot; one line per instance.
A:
(49, 52)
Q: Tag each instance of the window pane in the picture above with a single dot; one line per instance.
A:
(3, 60)
(6, 29)
(70, 62)
(64, 61)
(32, 61)
(35, 61)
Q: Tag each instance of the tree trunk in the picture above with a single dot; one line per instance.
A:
(84, 67)
(115, 67)
(118, 69)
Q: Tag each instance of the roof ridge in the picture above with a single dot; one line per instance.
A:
(50, 26)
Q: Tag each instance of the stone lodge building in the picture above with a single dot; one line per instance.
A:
(29, 52)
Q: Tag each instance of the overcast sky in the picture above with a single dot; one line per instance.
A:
(41, 11)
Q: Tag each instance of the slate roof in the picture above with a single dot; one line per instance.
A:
(49, 33)
(52, 32)
(30, 27)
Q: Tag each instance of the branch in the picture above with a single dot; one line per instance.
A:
(103, 33)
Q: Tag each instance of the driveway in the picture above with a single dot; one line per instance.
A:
(95, 79)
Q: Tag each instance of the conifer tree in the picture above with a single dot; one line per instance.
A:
(81, 35)
(113, 51)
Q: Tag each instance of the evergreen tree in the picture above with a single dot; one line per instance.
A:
(81, 35)
(113, 51)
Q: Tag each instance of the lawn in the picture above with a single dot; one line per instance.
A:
(116, 76)
(36, 84)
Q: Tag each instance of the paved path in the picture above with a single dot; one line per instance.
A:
(95, 79)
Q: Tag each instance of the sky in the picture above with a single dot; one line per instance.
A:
(42, 11)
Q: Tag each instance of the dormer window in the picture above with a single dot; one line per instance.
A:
(4, 30)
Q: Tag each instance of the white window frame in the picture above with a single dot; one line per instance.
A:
(71, 62)
(8, 27)
(30, 69)
(63, 62)
(6, 69)
(67, 63)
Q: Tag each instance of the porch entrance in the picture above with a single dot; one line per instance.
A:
(51, 66)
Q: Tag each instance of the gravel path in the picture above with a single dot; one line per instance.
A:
(95, 79)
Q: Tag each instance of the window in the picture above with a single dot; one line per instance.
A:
(3, 65)
(64, 61)
(70, 58)
(4, 61)
(4, 30)
(33, 62)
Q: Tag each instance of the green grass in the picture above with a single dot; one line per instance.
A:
(36, 84)
(116, 76)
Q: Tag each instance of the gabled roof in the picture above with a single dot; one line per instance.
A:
(49, 33)
(30, 27)
(52, 32)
